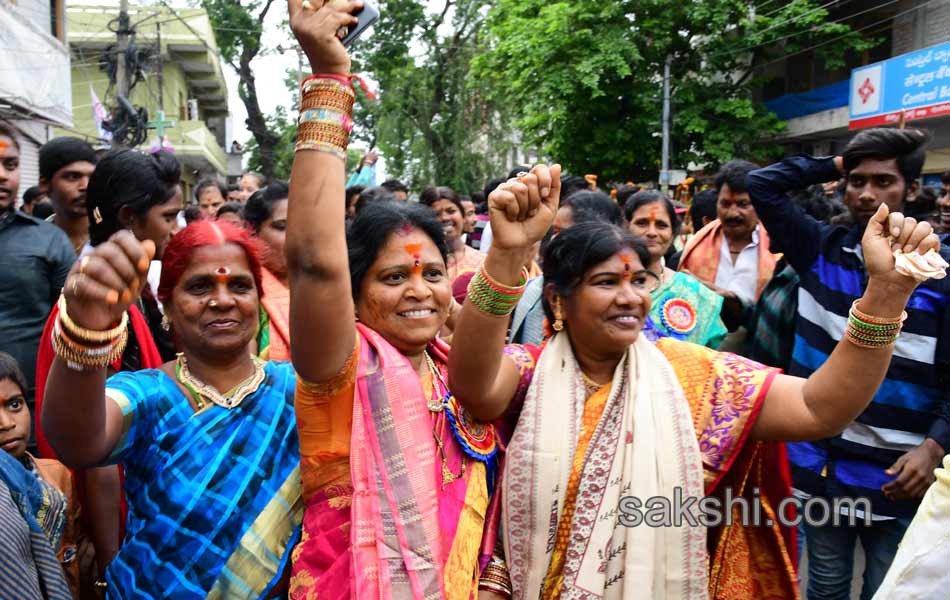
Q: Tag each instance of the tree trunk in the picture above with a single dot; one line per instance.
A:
(256, 123)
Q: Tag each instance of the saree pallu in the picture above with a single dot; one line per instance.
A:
(379, 522)
(468, 261)
(32, 516)
(275, 301)
(214, 495)
(726, 392)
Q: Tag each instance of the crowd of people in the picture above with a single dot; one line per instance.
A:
(323, 388)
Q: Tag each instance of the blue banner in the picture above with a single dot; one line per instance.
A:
(909, 87)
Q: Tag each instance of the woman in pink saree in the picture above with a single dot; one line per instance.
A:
(398, 480)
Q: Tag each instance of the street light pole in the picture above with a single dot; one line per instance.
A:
(665, 156)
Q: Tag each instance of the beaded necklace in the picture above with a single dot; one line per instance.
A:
(436, 404)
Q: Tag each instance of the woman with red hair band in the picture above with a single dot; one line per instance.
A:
(208, 441)
(140, 193)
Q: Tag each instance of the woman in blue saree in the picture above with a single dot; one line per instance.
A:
(208, 441)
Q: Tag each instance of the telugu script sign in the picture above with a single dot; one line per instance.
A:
(915, 85)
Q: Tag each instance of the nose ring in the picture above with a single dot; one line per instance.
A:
(213, 303)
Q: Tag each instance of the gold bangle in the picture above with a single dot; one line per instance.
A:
(79, 361)
(89, 335)
(80, 348)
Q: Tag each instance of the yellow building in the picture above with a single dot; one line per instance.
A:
(179, 70)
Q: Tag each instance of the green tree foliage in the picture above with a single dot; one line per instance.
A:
(238, 25)
(584, 79)
(430, 122)
(284, 128)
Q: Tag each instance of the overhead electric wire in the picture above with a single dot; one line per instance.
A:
(825, 43)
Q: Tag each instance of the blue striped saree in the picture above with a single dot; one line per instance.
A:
(214, 496)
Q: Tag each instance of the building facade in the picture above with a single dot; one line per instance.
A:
(35, 92)
(822, 108)
(175, 68)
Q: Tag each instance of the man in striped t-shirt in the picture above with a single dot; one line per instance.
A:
(889, 452)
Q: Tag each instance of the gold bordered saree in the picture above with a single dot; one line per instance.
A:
(676, 421)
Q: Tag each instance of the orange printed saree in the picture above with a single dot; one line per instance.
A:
(676, 420)
(276, 302)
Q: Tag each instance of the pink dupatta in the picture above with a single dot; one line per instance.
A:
(392, 465)
(396, 533)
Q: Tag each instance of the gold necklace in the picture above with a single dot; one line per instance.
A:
(447, 475)
(229, 400)
(435, 404)
(591, 386)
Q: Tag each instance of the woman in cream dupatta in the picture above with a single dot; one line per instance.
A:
(610, 420)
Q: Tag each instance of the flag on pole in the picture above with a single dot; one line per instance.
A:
(99, 115)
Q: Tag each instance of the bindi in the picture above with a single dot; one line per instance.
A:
(653, 215)
(3, 146)
(627, 260)
(415, 250)
(222, 274)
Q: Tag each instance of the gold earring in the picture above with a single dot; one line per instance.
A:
(558, 317)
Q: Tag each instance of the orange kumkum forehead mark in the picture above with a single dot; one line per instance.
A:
(3, 146)
(414, 250)
(223, 274)
(627, 260)
(653, 214)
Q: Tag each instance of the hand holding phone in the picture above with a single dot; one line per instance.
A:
(367, 15)
(314, 29)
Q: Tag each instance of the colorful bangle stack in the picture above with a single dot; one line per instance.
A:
(86, 349)
(493, 298)
(495, 578)
(866, 331)
(326, 114)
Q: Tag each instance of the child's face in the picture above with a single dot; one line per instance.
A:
(14, 419)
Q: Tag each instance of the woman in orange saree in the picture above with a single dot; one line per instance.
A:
(266, 214)
(613, 429)
(398, 478)
(447, 205)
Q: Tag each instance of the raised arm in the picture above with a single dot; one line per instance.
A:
(322, 330)
(522, 211)
(82, 425)
(825, 403)
(796, 233)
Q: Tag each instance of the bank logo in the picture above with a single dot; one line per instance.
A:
(866, 90)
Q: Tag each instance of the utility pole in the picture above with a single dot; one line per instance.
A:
(665, 156)
(161, 68)
(122, 72)
(299, 74)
